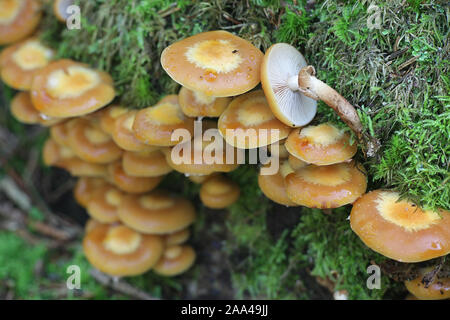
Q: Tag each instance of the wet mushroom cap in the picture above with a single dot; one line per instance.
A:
(103, 204)
(85, 188)
(439, 289)
(60, 9)
(65, 88)
(20, 62)
(23, 110)
(155, 125)
(321, 145)
(398, 229)
(274, 188)
(120, 251)
(109, 115)
(145, 164)
(249, 123)
(18, 19)
(215, 63)
(157, 212)
(178, 237)
(123, 135)
(326, 187)
(92, 144)
(175, 260)
(280, 66)
(219, 192)
(129, 183)
(195, 104)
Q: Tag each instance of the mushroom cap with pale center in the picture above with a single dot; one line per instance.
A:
(273, 187)
(20, 62)
(399, 229)
(157, 212)
(178, 237)
(175, 260)
(92, 144)
(120, 251)
(249, 123)
(18, 19)
(439, 289)
(103, 204)
(219, 192)
(85, 188)
(215, 63)
(131, 184)
(145, 163)
(321, 145)
(326, 187)
(109, 115)
(281, 64)
(155, 125)
(65, 88)
(195, 104)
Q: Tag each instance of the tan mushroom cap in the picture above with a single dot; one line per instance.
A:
(273, 187)
(326, 187)
(109, 115)
(90, 225)
(123, 135)
(195, 104)
(157, 212)
(155, 125)
(129, 183)
(200, 178)
(92, 144)
(175, 260)
(18, 19)
(296, 163)
(103, 204)
(249, 123)
(62, 157)
(85, 188)
(439, 289)
(280, 66)
(219, 192)
(178, 237)
(321, 145)
(23, 110)
(65, 88)
(145, 163)
(60, 133)
(120, 251)
(216, 63)
(398, 229)
(60, 9)
(20, 62)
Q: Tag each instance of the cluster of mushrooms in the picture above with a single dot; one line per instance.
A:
(121, 155)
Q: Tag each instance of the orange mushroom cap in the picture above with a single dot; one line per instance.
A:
(178, 237)
(200, 178)
(103, 204)
(439, 289)
(398, 229)
(155, 125)
(216, 63)
(120, 251)
(129, 183)
(108, 117)
(23, 110)
(273, 187)
(85, 188)
(65, 88)
(321, 145)
(60, 133)
(175, 260)
(249, 123)
(219, 192)
(18, 19)
(20, 62)
(195, 104)
(92, 144)
(326, 187)
(157, 212)
(145, 164)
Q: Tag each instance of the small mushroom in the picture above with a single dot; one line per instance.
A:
(145, 163)
(18, 19)
(438, 289)
(108, 117)
(219, 192)
(157, 212)
(60, 9)
(20, 62)
(155, 125)
(321, 145)
(296, 163)
(23, 110)
(65, 88)
(178, 237)
(85, 188)
(175, 260)
(326, 187)
(399, 229)
(103, 204)
(60, 132)
(131, 184)
(90, 225)
(120, 251)
(195, 104)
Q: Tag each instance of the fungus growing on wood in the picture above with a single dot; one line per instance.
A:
(437, 289)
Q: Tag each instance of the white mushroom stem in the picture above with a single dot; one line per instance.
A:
(310, 86)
